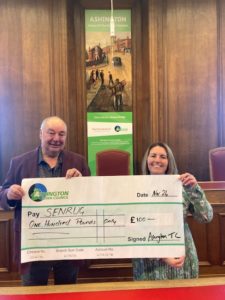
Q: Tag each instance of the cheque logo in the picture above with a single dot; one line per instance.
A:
(37, 192)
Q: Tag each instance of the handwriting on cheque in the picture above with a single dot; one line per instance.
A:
(79, 217)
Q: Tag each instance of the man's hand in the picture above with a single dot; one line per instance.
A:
(15, 192)
(73, 173)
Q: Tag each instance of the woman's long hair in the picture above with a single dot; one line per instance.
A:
(172, 166)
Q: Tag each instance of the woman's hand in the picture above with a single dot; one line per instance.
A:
(176, 262)
(188, 179)
(73, 173)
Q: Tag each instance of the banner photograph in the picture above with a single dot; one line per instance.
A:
(108, 60)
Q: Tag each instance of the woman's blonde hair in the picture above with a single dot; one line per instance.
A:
(172, 166)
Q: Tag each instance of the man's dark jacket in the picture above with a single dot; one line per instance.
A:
(26, 166)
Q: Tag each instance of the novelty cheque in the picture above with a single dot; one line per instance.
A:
(102, 217)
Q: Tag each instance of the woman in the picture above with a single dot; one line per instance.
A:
(158, 160)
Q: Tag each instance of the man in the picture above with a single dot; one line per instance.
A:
(118, 101)
(48, 160)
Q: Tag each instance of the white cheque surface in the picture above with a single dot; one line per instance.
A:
(102, 217)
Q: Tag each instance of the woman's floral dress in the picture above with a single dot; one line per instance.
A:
(195, 203)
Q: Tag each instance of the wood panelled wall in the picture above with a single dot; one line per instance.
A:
(178, 75)
(184, 102)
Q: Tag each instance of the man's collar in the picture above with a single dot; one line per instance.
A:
(41, 159)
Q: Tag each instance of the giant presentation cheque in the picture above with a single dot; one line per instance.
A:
(102, 217)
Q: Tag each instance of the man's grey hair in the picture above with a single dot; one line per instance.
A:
(46, 120)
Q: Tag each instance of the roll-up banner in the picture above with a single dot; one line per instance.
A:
(109, 84)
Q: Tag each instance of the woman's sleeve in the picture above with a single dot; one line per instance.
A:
(199, 206)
